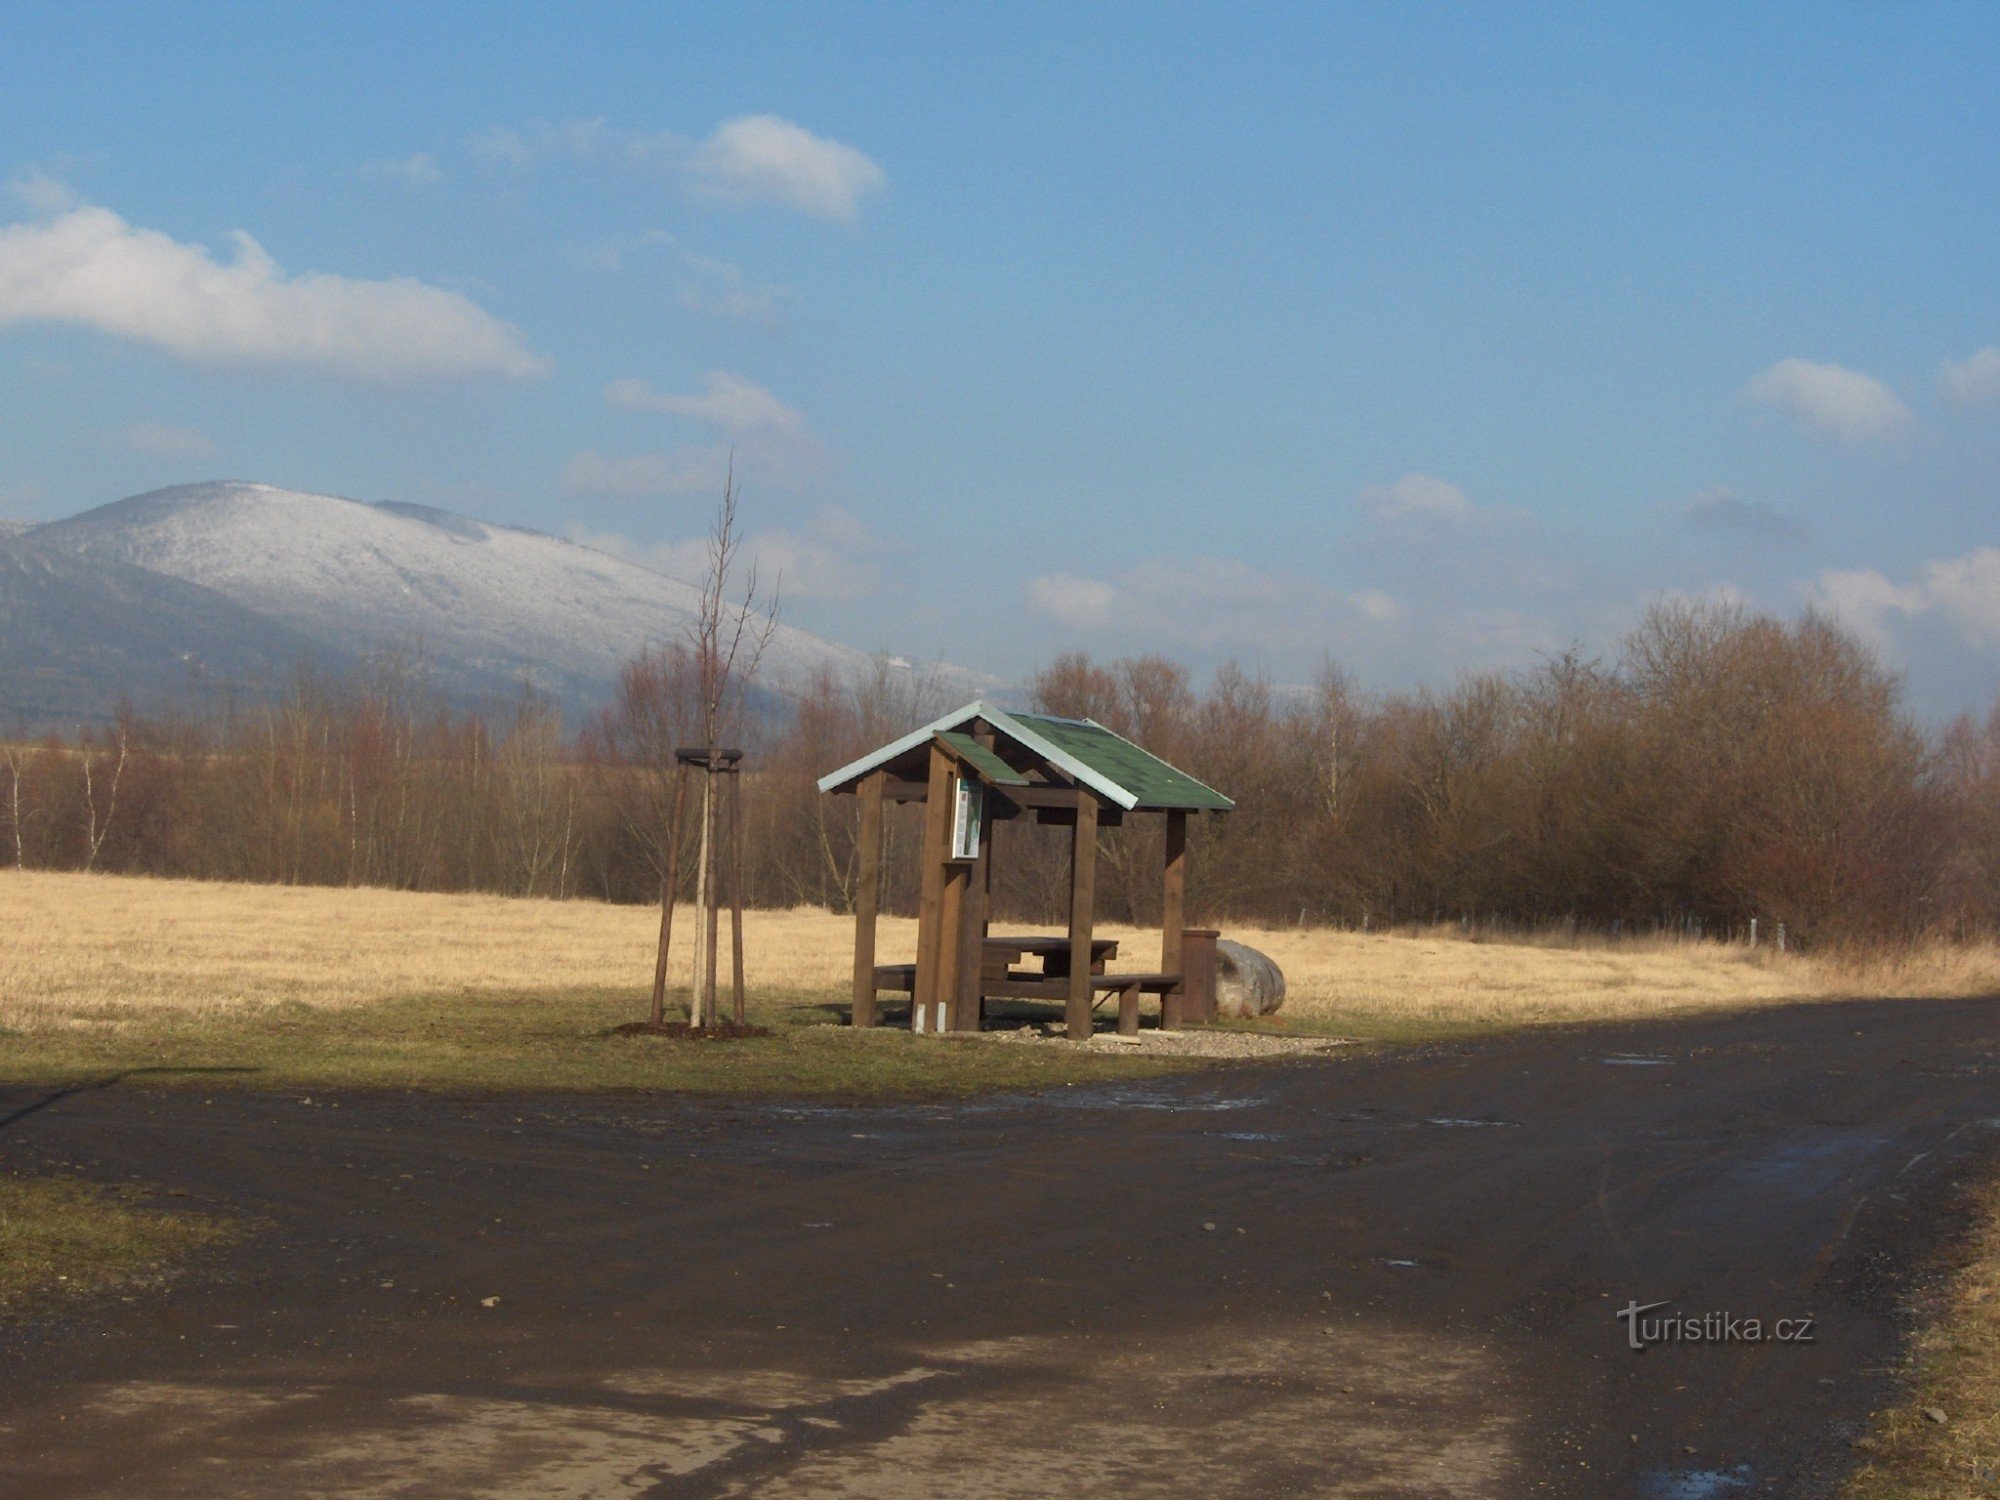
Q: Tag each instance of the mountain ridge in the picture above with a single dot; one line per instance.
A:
(489, 606)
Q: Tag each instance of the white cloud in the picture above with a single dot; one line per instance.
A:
(1832, 400)
(612, 256)
(42, 195)
(412, 172)
(727, 400)
(764, 158)
(158, 440)
(1417, 497)
(1073, 602)
(1209, 605)
(773, 440)
(830, 557)
(1962, 591)
(1966, 591)
(88, 266)
(755, 159)
(1440, 619)
(646, 476)
(1376, 605)
(1974, 379)
(727, 291)
(540, 140)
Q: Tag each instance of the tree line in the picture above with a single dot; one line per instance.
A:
(1721, 766)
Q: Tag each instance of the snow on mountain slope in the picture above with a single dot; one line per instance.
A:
(78, 634)
(487, 604)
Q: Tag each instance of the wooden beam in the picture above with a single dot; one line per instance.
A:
(1035, 794)
(1082, 914)
(1065, 817)
(1173, 920)
(931, 864)
(867, 897)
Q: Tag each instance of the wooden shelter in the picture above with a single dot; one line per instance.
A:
(980, 766)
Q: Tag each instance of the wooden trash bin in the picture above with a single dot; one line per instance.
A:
(1198, 975)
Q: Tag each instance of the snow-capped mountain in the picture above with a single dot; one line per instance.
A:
(78, 634)
(488, 606)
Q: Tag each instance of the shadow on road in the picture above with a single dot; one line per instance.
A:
(57, 1095)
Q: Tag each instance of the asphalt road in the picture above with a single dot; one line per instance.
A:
(1394, 1274)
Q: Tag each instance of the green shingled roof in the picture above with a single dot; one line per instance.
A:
(1081, 749)
(991, 768)
(1148, 778)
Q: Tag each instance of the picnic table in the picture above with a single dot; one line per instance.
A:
(1001, 977)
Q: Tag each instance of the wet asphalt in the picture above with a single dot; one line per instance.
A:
(1500, 1199)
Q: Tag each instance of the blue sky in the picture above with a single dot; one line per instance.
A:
(1430, 337)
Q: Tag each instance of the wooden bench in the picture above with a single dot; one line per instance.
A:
(1128, 988)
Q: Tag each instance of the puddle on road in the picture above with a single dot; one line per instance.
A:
(1635, 1060)
(1813, 1166)
(1451, 1124)
(1698, 1484)
(1136, 1096)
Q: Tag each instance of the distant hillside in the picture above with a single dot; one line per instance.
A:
(488, 606)
(79, 633)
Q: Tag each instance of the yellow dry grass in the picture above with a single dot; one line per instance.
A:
(1940, 1439)
(94, 948)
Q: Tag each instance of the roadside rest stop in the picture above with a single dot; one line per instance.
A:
(981, 766)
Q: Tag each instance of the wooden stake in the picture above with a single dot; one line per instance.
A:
(713, 845)
(867, 897)
(1082, 911)
(704, 899)
(667, 883)
(736, 883)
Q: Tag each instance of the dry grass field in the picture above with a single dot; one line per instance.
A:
(104, 950)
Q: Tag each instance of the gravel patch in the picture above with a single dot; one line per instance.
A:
(1197, 1042)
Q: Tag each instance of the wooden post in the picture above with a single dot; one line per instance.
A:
(951, 930)
(712, 846)
(967, 999)
(867, 897)
(736, 884)
(930, 903)
(1173, 921)
(667, 882)
(1082, 904)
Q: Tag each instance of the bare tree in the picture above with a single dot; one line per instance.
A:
(727, 640)
(97, 825)
(14, 758)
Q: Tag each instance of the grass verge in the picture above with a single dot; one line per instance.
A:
(60, 1238)
(1953, 1373)
(546, 1041)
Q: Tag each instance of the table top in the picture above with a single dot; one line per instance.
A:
(1099, 947)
